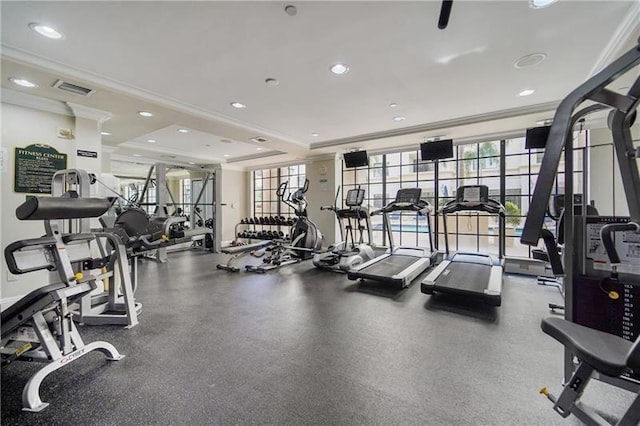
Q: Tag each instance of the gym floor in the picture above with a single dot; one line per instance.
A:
(304, 346)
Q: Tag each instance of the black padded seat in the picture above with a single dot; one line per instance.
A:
(603, 351)
(39, 294)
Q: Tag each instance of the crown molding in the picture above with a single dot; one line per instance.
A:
(627, 32)
(28, 58)
(440, 125)
(81, 111)
(26, 100)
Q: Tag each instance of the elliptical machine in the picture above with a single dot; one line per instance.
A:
(306, 238)
(348, 253)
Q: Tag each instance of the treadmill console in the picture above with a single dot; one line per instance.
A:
(408, 195)
(355, 197)
(473, 194)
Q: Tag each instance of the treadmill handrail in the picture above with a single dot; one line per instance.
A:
(423, 207)
(491, 206)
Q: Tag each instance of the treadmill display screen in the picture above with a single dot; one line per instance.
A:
(473, 194)
(408, 195)
(355, 197)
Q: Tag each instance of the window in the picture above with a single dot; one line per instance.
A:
(265, 184)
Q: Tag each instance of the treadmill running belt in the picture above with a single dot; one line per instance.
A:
(464, 277)
(389, 266)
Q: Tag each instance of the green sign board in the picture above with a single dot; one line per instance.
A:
(34, 168)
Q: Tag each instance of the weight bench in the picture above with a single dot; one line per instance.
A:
(238, 252)
(39, 327)
(598, 352)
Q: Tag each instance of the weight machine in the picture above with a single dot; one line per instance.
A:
(597, 293)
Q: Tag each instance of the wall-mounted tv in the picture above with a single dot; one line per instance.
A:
(537, 137)
(436, 150)
(356, 159)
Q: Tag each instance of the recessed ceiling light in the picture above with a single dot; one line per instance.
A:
(191, 162)
(226, 155)
(399, 118)
(225, 141)
(530, 60)
(315, 135)
(105, 133)
(145, 113)
(272, 81)
(183, 130)
(540, 4)
(393, 105)
(151, 140)
(238, 105)
(526, 92)
(339, 69)
(45, 30)
(137, 155)
(258, 149)
(291, 10)
(22, 82)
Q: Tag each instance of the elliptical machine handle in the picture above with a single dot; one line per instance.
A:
(606, 235)
(305, 187)
(327, 208)
(282, 189)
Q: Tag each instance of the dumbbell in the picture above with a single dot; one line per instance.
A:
(250, 221)
(261, 220)
(256, 220)
(242, 221)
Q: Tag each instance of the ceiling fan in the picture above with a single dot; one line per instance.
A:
(445, 12)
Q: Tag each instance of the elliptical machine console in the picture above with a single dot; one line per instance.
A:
(349, 252)
(306, 238)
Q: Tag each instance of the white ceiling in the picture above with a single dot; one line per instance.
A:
(186, 61)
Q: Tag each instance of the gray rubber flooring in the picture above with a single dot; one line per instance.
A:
(303, 346)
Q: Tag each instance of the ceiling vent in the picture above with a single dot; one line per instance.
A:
(259, 139)
(73, 88)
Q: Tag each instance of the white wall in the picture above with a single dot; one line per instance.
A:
(324, 179)
(235, 194)
(21, 127)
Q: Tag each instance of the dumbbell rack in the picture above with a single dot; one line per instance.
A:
(253, 227)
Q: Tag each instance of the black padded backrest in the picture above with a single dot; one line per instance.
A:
(51, 208)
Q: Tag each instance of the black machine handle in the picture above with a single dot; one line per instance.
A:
(305, 187)
(282, 189)
(552, 251)
(19, 245)
(606, 234)
(327, 208)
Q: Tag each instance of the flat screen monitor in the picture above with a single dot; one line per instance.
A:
(436, 150)
(537, 137)
(356, 159)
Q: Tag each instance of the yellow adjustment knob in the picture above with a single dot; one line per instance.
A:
(165, 238)
(544, 391)
(78, 276)
(614, 295)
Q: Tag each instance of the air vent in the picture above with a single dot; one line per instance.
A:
(259, 139)
(170, 157)
(73, 88)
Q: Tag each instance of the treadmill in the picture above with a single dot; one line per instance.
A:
(399, 265)
(472, 274)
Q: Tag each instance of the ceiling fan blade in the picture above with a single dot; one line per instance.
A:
(445, 12)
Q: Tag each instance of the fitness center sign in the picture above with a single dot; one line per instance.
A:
(34, 168)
